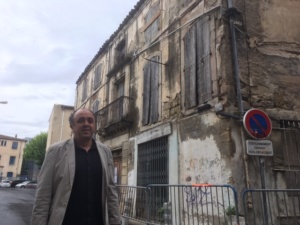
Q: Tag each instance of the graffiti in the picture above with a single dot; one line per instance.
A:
(199, 195)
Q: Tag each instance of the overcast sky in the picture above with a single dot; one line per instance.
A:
(44, 47)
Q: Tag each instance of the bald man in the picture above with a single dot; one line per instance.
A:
(75, 184)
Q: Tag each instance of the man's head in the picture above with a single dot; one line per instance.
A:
(83, 124)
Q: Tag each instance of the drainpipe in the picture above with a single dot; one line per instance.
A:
(231, 15)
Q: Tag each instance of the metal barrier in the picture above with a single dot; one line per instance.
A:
(269, 206)
(132, 202)
(192, 204)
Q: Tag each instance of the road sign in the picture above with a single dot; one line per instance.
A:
(257, 123)
(259, 147)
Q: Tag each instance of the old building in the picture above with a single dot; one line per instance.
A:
(59, 127)
(11, 156)
(171, 86)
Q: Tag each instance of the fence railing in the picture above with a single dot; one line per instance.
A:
(132, 202)
(180, 204)
(269, 206)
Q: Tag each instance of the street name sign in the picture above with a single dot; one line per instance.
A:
(259, 147)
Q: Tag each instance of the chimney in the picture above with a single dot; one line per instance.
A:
(16, 136)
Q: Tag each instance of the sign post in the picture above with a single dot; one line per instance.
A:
(259, 126)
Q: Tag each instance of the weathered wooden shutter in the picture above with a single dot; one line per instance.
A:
(153, 28)
(146, 94)
(154, 92)
(190, 68)
(95, 106)
(203, 60)
(84, 89)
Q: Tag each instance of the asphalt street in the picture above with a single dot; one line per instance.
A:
(16, 206)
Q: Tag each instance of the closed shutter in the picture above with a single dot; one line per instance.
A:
(190, 68)
(146, 94)
(203, 61)
(154, 92)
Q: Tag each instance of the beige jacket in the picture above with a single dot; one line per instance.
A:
(55, 184)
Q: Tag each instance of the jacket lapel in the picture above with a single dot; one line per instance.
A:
(71, 160)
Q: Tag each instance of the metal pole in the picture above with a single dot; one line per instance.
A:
(263, 186)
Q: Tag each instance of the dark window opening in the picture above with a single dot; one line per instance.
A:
(120, 52)
(14, 145)
(12, 160)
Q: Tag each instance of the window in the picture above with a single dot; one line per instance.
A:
(3, 143)
(97, 76)
(117, 158)
(152, 165)
(197, 68)
(152, 22)
(151, 91)
(12, 160)
(84, 89)
(9, 174)
(120, 52)
(95, 106)
(14, 145)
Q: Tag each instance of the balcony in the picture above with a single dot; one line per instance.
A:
(115, 117)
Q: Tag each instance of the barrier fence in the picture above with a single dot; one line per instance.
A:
(269, 206)
(180, 204)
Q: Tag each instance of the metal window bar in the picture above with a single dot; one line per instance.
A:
(271, 206)
(114, 112)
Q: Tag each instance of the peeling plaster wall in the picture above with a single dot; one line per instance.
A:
(205, 155)
(202, 163)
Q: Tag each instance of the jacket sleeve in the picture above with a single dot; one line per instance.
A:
(114, 216)
(43, 196)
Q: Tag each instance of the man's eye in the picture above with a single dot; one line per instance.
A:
(90, 120)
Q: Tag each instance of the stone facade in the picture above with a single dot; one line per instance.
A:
(59, 127)
(170, 70)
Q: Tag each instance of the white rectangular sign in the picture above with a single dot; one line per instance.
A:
(259, 147)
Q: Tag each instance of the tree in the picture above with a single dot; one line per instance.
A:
(35, 150)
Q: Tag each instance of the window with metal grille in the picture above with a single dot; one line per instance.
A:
(153, 162)
(153, 169)
(291, 152)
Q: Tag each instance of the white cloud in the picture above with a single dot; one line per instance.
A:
(45, 46)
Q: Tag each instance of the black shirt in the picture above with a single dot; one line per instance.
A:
(84, 207)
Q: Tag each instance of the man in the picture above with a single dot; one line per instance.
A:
(75, 184)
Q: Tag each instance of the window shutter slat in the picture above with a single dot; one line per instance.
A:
(154, 99)
(146, 94)
(203, 60)
(190, 68)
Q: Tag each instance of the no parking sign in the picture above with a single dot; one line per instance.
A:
(257, 123)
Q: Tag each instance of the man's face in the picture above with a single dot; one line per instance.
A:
(84, 125)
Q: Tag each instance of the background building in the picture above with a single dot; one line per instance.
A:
(11, 156)
(59, 128)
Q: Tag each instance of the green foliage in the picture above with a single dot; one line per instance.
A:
(230, 210)
(35, 150)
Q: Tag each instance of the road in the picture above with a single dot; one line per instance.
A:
(16, 206)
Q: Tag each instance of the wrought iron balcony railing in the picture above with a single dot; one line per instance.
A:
(114, 116)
